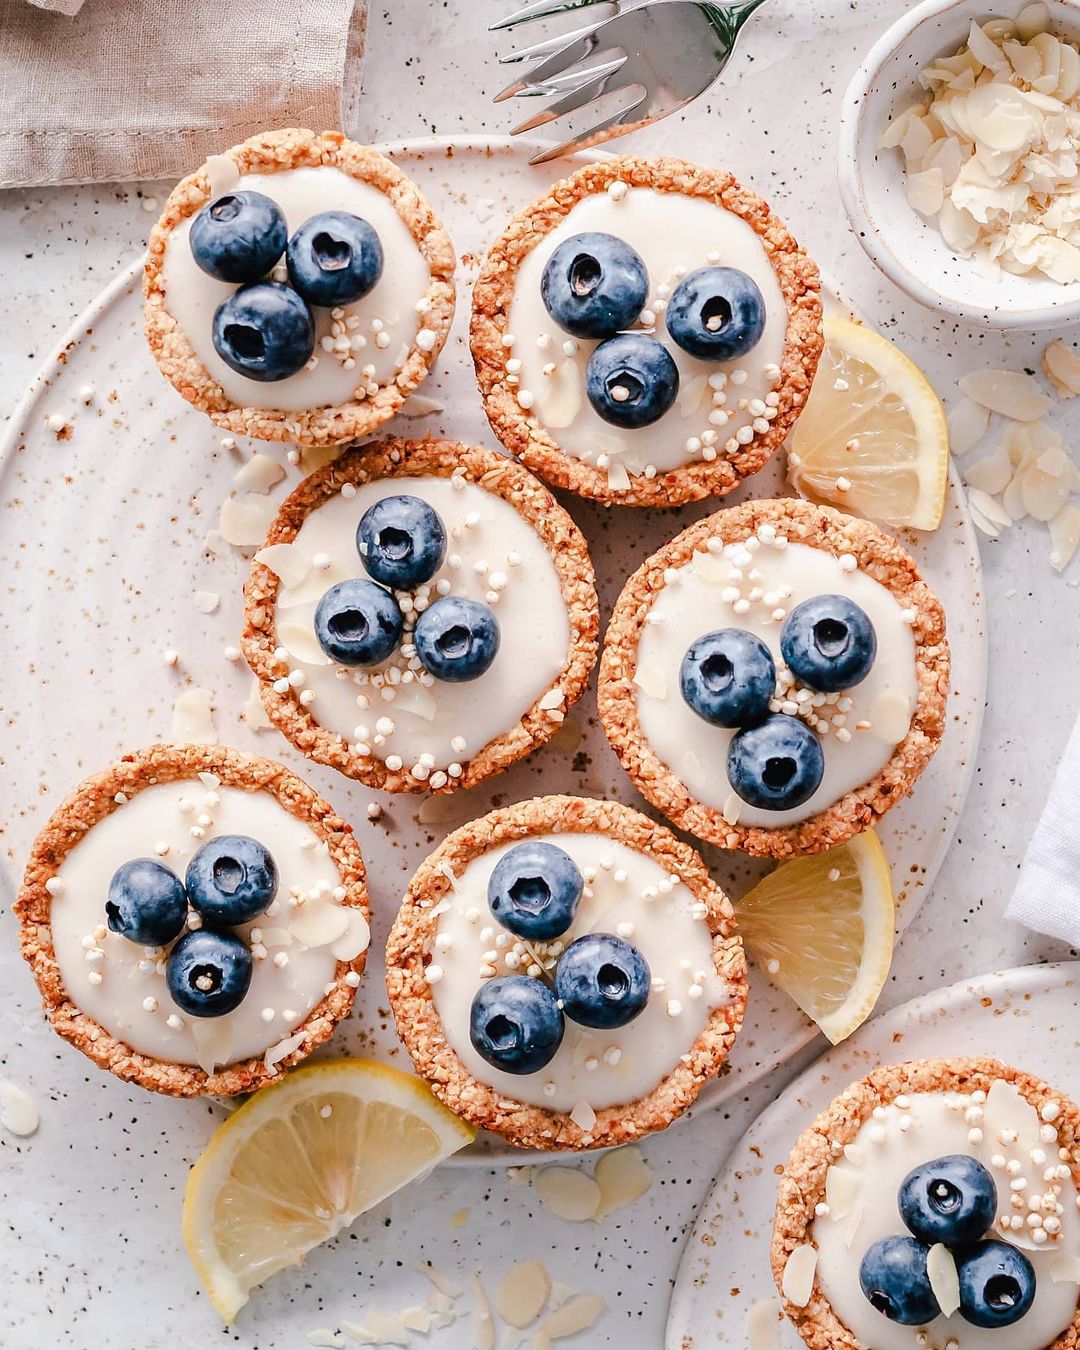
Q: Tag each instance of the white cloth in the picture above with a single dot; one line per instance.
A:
(130, 89)
(1047, 895)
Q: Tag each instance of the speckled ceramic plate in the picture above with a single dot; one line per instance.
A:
(724, 1273)
(105, 544)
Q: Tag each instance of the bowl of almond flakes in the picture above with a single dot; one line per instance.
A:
(960, 159)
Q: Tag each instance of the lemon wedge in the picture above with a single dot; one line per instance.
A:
(872, 438)
(822, 929)
(299, 1161)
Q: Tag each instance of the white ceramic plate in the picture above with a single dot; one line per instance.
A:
(1009, 1016)
(103, 548)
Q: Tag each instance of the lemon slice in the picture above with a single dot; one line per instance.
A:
(299, 1161)
(872, 438)
(822, 929)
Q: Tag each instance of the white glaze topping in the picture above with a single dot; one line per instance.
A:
(863, 1188)
(170, 822)
(860, 728)
(494, 556)
(626, 893)
(674, 234)
(376, 353)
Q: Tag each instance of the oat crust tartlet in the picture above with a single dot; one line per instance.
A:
(95, 799)
(272, 152)
(876, 554)
(409, 952)
(802, 1185)
(495, 473)
(522, 433)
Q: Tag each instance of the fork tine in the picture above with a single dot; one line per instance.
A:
(592, 136)
(571, 54)
(561, 84)
(545, 47)
(577, 98)
(540, 9)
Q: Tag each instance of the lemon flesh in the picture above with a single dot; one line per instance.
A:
(822, 929)
(872, 438)
(299, 1161)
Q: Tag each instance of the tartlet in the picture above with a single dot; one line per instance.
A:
(368, 354)
(111, 996)
(637, 885)
(751, 569)
(508, 549)
(683, 224)
(865, 1173)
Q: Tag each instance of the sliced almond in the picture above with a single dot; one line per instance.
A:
(1009, 392)
(800, 1269)
(245, 519)
(559, 398)
(253, 712)
(18, 1114)
(355, 939)
(623, 1176)
(522, 1294)
(300, 642)
(1031, 21)
(1043, 494)
(926, 191)
(651, 681)
(1061, 366)
(419, 405)
(1064, 537)
(576, 1315)
(483, 1323)
(318, 923)
(618, 477)
(944, 1281)
(968, 424)
(843, 1187)
(259, 474)
(193, 718)
(289, 563)
(569, 1193)
(213, 1037)
(207, 601)
(763, 1325)
(417, 699)
(992, 474)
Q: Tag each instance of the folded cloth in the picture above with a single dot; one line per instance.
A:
(60, 6)
(128, 89)
(1047, 895)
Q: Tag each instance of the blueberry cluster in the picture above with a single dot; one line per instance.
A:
(728, 677)
(265, 330)
(951, 1201)
(230, 881)
(601, 981)
(595, 286)
(401, 541)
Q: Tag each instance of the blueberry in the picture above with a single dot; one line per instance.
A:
(997, 1284)
(334, 259)
(358, 623)
(208, 972)
(631, 380)
(951, 1200)
(456, 639)
(264, 331)
(401, 541)
(238, 237)
(893, 1277)
(828, 643)
(594, 285)
(728, 678)
(146, 903)
(716, 313)
(231, 879)
(602, 981)
(515, 1024)
(777, 765)
(534, 890)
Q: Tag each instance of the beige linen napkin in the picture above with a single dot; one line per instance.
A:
(128, 89)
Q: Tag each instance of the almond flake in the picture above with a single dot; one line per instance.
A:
(732, 808)
(623, 1176)
(583, 1116)
(324, 1337)
(300, 642)
(988, 508)
(193, 719)
(355, 939)
(313, 587)
(1043, 495)
(558, 400)
(1061, 365)
(213, 1037)
(570, 1194)
(1064, 537)
(944, 1281)
(419, 405)
(1009, 392)
(259, 474)
(289, 563)
(207, 601)
(926, 191)
(651, 681)
(691, 392)
(416, 699)
(522, 1294)
(221, 174)
(282, 1050)
(800, 1268)
(578, 1314)
(843, 1186)
(245, 518)
(18, 1114)
(1032, 20)
(968, 423)
(442, 1283)
(992, 474)
(763, 1325)
(618, 478)
(554, 698)
(483, 1325)
(253, 712)
(318, 923)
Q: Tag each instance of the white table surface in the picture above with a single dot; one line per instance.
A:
(73, 1276)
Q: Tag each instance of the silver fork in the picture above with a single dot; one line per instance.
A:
(663, 53)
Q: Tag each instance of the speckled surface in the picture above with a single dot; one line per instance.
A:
(772, 121)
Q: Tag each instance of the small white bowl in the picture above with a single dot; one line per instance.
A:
(908, 248)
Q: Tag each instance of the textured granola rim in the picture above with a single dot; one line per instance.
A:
(495, 473)
(881, 558)
(524, 435)
(91, 802)
(419, 1026)
(274, 152)
(802, 1184)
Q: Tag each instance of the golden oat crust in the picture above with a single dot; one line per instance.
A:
(881, 558)
(91, 802)
(523, 434)
(802, 1184)
(408, 954)
(273, 152)
(437, 459)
